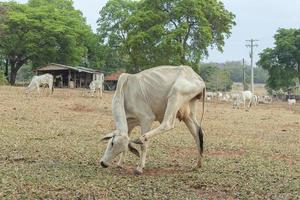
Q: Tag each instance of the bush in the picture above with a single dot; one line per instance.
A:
(2, 78)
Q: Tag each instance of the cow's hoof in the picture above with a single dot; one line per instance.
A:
(138, 141)
(199, 164)
(137, 172)
(103, 164)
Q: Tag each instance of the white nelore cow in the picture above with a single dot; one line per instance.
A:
(219, 95)
(226, 97)
(97, 85)
(242, 98)
(209, 96)
(42, 80)
(254, 100)
(161, 94)
(291, 102)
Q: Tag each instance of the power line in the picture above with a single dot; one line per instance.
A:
(251, 45)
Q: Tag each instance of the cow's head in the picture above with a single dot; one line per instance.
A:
(117, 143)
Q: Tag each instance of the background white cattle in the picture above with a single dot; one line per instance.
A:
(242, 98)
(97, 86)
(291, 102)
(209, 95)
(254, 100)
(42, 80)
(225, 97)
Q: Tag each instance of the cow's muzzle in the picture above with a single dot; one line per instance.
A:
(103, 164)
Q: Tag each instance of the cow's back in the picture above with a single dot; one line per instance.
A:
(151, 87)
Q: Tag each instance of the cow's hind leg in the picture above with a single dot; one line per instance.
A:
(173, 106)
(196, 131)
(175, 101)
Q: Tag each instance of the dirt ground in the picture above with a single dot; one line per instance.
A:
(50, 149)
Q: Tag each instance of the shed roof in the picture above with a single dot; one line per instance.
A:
(55, 66)
(113, 76)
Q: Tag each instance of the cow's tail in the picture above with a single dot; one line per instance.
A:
(52, 90)
(203, 100)
(118, 108)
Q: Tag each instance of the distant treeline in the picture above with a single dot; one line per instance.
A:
(220, 76)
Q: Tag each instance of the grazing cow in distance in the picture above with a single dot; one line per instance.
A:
(291, 102)
(160, 94)
(242, 97)
(255, 100)
(209, 95)
(226, 97)
(38, 81)
(97, 85)
(219, 95)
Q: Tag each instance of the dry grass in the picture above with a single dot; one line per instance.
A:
(50, 147)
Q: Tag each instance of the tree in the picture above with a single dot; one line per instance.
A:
(216, 79)
(43, 31)
(112, 35)
(155, 32)
(283, 61)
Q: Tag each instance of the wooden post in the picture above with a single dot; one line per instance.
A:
(75, 79)
(85, 84)
(79, 79)
(69, 77)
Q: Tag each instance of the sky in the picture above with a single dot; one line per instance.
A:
(255, 19)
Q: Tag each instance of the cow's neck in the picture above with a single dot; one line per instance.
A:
(119, 115)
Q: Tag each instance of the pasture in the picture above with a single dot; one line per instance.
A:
(50, 149)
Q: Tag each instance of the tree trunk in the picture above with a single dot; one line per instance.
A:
(13, 74)
(14, 68)
(298, 71)
(182, 59)
(6, 70)
(135, 68)
(15, 65)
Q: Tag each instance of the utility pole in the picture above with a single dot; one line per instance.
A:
(244, 75)
(251, 45)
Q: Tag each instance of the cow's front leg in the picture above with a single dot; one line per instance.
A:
(140, 167)
(145, 127)
(122, 158)
(163, 127)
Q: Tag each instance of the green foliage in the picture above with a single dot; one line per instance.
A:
(44, 31)
(2, 78)
(216, 79)
(149, 33)
(112, 35)
(235, 71)
(283, 61)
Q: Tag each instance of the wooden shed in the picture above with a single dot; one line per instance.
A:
(111, 80)
(67, 76)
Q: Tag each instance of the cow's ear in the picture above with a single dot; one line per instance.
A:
(133, 150)
(108, 136)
